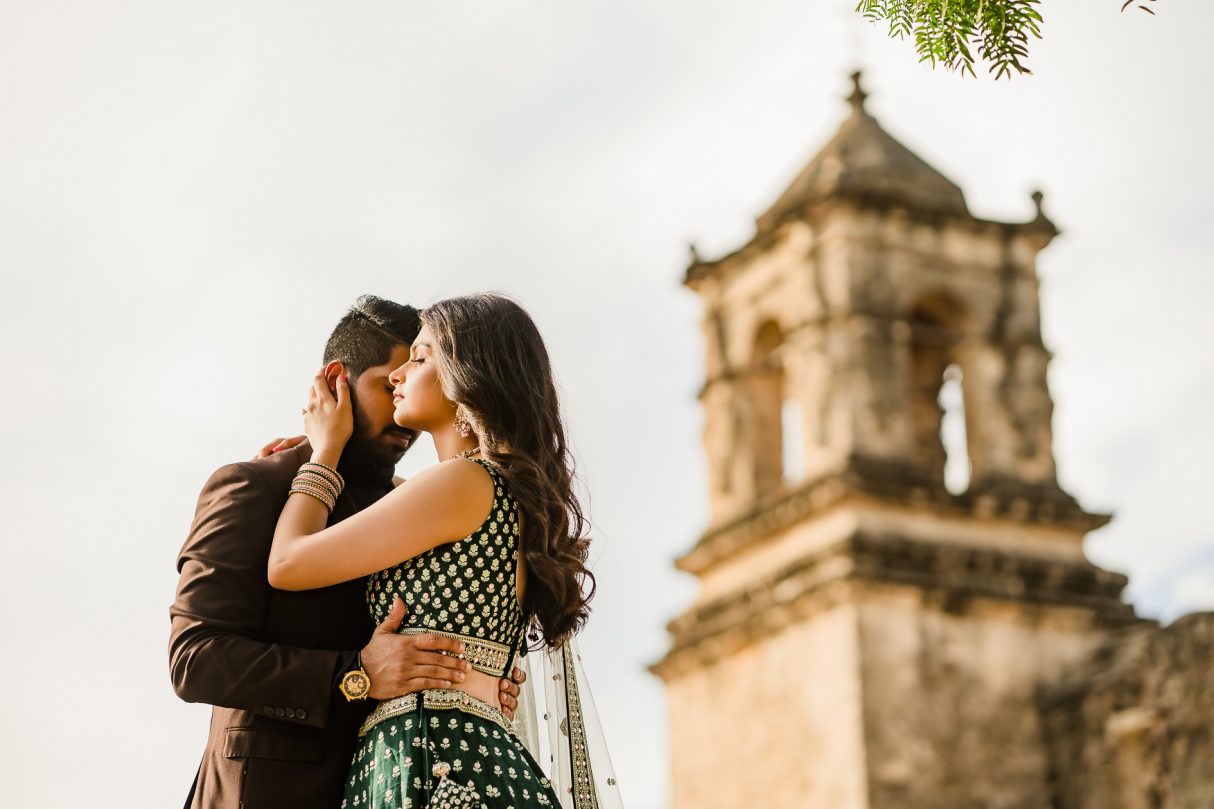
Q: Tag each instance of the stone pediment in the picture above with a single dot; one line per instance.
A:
(863, 161)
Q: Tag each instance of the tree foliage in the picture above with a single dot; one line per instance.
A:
(951, 32)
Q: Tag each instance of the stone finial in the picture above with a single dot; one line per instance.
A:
(856, 99)
(1041, 222)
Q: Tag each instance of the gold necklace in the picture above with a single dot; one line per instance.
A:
(468, 453)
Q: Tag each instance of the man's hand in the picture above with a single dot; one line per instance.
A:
(508, 697)
(403, 664)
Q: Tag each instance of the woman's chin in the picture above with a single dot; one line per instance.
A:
(403, 420)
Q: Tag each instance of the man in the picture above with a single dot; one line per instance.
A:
(287, 671)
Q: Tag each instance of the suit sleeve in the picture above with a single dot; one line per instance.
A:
(222, 594)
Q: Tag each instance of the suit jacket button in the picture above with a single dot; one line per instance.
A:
(269, 711)
(279, 712)
(301, 714)
(290, 713)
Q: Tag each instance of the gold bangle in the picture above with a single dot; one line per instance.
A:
(319, 479)
(318, 498)
(340, 481)
(308, 484)
(315, 495)
(322, 471)
(320, 475)
(316, 483)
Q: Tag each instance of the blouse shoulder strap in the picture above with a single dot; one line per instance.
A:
(489, 467)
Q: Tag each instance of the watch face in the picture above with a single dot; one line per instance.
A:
(356, 684)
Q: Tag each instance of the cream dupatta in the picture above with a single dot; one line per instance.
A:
(578, 763)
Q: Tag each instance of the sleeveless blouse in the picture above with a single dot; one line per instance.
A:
(444, 748)
(467, 589)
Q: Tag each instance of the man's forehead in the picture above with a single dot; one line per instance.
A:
(400, 352)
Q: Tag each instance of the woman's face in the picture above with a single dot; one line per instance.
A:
(417, 396)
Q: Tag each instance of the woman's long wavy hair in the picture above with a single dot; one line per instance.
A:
(493, 362)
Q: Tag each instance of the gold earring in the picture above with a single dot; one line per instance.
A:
(462, 425)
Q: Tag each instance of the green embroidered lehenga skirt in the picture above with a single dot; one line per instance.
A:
(443, 749)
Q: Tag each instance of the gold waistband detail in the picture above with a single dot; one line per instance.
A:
(437, 699)
(484, 655)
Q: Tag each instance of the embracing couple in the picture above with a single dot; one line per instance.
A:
(363, 639)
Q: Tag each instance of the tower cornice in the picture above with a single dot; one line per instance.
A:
(951, 576)
(898, 484)
(1040, 230)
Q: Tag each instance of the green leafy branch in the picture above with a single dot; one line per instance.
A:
(1129, 3)
(951, 32)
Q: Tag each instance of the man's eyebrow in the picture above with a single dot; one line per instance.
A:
(420, 345)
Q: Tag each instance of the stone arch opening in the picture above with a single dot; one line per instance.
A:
(767, 396)
(938, 402)
(953, 435)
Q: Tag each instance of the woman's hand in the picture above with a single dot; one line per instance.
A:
(278, 445)
(328, 419)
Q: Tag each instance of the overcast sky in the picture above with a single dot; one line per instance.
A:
(192, 193)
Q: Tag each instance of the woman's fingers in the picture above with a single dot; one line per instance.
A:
(343, 391)
(268, 449)
(320, 389)
(278, 445)
(288, 443)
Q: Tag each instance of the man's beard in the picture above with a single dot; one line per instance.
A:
(373, 452)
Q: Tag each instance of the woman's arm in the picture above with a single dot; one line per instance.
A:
(442, 504)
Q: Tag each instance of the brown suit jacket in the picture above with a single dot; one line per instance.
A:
(267, 660)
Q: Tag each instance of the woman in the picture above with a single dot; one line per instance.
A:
(483, 546)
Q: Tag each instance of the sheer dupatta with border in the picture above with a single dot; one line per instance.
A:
(578, 763)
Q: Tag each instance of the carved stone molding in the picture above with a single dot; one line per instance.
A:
(951, 575)
(902, 484)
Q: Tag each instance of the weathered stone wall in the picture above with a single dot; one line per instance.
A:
(1133, 726)
(773, 724)
(950, 695)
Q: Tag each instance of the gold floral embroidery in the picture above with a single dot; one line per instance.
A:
(437, 699)
(584, 795)
(484, 655)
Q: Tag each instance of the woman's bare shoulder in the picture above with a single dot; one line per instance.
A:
(460, 484)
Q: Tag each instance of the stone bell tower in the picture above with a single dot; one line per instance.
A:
(864, 635)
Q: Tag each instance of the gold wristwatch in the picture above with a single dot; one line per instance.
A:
(355, 684)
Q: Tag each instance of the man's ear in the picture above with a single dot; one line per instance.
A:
(334, 369)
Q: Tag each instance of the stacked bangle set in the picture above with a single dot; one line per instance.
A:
(321, 482)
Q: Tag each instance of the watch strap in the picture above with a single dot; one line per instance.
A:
(346, 662)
